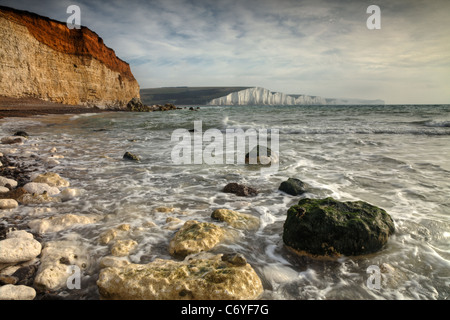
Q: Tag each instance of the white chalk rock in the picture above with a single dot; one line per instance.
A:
(8, 204)
(40, 188)
(19, 234)
(12, 292)
(4, 181)
(14, 250)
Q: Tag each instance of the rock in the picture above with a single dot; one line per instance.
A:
(60, 222)
(40, 188)
(56, 258)
(4, 190)
(195, 237)
(113, 262)
(136, 105)
(28, 198)
(261, 155)
(21, 134)
(164, 209)
(12, 292)
(107, 236)
(69, 194)
(25, 275)
(52, 179)
(19, 234)
(235, 259)
(122, 248)
(4, 181)
(12, 140)
(8, 204)
(198, 277)
(236, 219)
(327, 227)
(292, 186)
(13, 194)
(130, 156)
(13, 250)
(240, 190)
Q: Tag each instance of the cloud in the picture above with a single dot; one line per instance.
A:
(314, 47)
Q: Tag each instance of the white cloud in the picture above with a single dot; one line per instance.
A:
(313, 47)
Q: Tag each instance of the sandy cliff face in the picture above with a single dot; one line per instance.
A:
(42, 58)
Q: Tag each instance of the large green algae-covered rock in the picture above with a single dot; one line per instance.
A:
(327, 227)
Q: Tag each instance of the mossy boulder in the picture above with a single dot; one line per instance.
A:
(130, 156)
(327, 227)
(198, 277)
(292, 186)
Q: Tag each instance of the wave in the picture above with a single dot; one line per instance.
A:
(437, 124)
(337, 131)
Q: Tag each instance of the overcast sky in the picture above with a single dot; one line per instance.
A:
(317, 47)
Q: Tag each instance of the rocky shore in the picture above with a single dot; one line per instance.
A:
(36, 262)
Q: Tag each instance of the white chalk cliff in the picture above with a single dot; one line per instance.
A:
(261, 96)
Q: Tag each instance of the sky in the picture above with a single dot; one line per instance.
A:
(313, 47)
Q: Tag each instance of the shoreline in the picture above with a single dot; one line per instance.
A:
(29, 107)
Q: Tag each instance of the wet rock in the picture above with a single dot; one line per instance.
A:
(261, 155)
(5, 181)
(21, 134)
(25, 275)
(122, 248)
(236, 219)
(164, 209)
(69, 194)
(113, 262)
(111, 234)
(60, 222)
(194, 237)
(12, 140)
(8, 204)
(327, 227)
(40, 188)
(293, 186)
(13, 250)
(198, 277)
(130, 156)
(236, 259)
(56, 258)
(28, 198)
(20, 292)
(52, 179)
(240, 190)
(13, 194)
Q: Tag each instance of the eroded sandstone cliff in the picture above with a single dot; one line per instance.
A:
(42, 58)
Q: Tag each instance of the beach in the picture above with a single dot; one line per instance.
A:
(119, 212)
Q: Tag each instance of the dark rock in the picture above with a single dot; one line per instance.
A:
(130, 156)
(240, 190)
(136, 104)
(25, 275)
(5, 279)
(21, 134)
(257, 154)
(292, 186)
(327, 227)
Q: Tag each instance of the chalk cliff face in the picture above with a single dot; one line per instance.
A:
(261, 96)
(42, 58)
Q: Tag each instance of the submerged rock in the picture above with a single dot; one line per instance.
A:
(29, 198)
(198, 277)
(195, 237)
(327, 227)
(122, 248)
(292, 186)
(130, 156)
(21, 134)
(236, 219)
(60, 222)
(52, 179)
(261, 155)
(240, 190)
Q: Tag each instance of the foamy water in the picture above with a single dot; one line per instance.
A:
(395, 157)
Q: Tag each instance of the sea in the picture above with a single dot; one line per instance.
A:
(396, 157)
